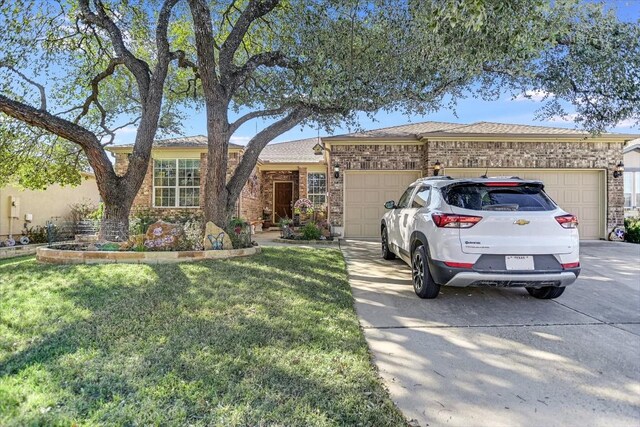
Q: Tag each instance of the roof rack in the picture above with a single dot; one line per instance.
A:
(500, 177)
(434, 178)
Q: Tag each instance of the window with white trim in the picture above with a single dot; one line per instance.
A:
(176, 183)
(317, 188)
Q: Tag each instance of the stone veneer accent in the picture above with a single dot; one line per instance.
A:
(477, 154)
(269, 177)
(58, 256)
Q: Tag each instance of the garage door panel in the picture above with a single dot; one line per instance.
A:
(365, 194)
(580, 192)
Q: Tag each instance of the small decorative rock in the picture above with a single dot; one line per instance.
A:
(214, 230)
(163, 236)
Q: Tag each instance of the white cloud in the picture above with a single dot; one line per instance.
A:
(533, 95)
(240, 140)
(127, 130)
(628, 123)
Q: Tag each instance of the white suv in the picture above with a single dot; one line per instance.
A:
(482, 232)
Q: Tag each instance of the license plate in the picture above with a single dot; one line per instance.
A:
(519, 262)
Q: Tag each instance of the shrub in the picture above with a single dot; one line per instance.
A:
(37, 234)
(311, 231)
(192, 239)
(239, 231)
(632, 226)
(141, 220)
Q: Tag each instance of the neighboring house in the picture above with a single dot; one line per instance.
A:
(353, 175)
(29, 208)
(632, 178)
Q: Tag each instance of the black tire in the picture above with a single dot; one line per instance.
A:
(547, 292)
(423, 283)
(386, 252)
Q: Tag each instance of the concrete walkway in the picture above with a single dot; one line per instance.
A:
(497, 357)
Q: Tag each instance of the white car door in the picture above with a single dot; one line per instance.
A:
(395, 219)
(408, 219)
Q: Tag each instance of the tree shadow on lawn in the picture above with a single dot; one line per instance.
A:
(261, 340)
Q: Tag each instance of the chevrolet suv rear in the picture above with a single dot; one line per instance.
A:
(501, 232)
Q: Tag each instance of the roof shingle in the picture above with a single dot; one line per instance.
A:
(179, 142)
(402, 131)
(300, 151)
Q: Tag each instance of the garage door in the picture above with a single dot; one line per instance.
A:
(364, 197)
(580, 192)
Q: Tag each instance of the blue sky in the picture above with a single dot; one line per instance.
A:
(469, 110)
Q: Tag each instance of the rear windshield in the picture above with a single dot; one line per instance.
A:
(481, 198)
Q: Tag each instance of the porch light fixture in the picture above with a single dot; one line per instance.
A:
(436, 168)
(336, 170)
(619, 169)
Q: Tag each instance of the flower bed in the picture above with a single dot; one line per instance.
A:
(74, 254)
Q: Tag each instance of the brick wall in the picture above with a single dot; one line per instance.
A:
(550, 155)
(366, 157)
(302, 183)
(251, 197)
(469, 154)
(250, 208)
(269, 177)
(144, 198)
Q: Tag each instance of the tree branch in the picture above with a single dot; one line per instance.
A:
(266, 59)
(65, 129)
(257, 144)
(43, 94)
(255, 9)
(95, 82)
(138, 67)
(201, 15)
(233, 127)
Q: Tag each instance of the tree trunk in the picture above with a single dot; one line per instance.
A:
(115, 222)
(215, 191)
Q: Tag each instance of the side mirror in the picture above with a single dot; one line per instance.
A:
(390, 205)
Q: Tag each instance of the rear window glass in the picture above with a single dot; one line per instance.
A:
(480, 198)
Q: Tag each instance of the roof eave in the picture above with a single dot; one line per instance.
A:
(528, 137)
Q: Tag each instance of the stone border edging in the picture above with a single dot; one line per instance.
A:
(60, 256)
(307, 242)
(7, 252)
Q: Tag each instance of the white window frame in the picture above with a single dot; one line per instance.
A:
(177, 187)
(311, 194)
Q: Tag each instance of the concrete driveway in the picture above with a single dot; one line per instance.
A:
(498, 357)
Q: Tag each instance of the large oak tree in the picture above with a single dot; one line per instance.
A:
(107, 64)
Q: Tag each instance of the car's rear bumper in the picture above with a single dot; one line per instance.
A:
(512, 280)
(448, 276)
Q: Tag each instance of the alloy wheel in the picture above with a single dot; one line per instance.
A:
(418, 271)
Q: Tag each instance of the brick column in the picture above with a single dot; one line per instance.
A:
(302, 182)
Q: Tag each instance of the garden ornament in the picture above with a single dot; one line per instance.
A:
(217, 243)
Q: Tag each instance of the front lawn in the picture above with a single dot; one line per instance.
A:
(267, 340)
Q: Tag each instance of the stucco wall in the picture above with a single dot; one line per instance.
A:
(44, 205)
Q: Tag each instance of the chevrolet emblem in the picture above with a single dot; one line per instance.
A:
(521, 222)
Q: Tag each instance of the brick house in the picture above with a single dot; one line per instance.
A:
(352, 175)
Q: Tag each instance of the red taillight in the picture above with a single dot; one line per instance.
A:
(455, 221)
(570, 265)
(458, 264)
(567, 221)
(502, 184)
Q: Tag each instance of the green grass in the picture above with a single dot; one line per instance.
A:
(267, 340)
